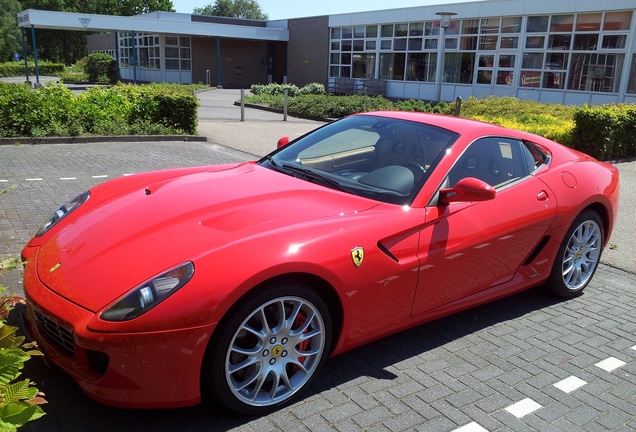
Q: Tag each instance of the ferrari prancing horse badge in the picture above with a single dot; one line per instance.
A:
(357, 255)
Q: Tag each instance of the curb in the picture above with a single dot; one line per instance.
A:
(99, 139)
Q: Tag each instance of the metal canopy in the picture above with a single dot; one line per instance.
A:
(155, 22)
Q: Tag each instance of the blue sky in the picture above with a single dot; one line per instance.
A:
(281, 9)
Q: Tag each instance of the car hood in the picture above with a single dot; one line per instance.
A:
(130, 231)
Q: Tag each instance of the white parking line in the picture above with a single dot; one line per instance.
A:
(68, 178)
(570, 384)
(471, 427)
(523, 408)
(610, 364)
(100, 176)
(34, 179)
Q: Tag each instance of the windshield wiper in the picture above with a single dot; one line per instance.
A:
(313, 175)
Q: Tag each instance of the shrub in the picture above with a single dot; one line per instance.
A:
(606, 132)
(11, 69)
(47, 111)
(552, 121)
(101, 68)
(19, 399)
(313, 89)
(325, 106)
(422, 106)
(275, 89)
(124, 109)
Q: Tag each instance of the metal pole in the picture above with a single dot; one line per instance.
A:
(242, 104)
(218, 62)
(24, 55)
(458, 106)
(35, 58)
(117, 56)
(444, 23)
(134, 57)
(440, 63)
(286, 94)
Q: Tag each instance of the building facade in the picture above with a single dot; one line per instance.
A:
(566, 51)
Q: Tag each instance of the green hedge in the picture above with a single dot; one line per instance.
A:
(606, 132)
(292, 89)
(552, 121)
(54, 110)
(12, 69)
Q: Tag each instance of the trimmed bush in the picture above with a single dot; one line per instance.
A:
(275, 89)
(417, 105)
(54, 110)
(606, 132)
(12, 69)
(101, 68)
(313, 89)
(551, 121)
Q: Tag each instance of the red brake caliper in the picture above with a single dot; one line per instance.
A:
(299, 321)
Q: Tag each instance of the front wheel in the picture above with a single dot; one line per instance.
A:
(269, 349)
(578, 255)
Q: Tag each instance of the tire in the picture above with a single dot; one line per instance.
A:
(578, 255)
(259, 362)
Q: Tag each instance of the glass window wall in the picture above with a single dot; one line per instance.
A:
(581, 52)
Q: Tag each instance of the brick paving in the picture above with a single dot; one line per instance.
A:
(491, 368)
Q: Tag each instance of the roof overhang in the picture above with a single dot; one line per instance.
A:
(171, 23)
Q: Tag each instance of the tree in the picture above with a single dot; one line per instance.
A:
(10, 38)
(248, 9)
(132, 7)
(69, 46)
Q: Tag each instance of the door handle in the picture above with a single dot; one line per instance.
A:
(542, 196)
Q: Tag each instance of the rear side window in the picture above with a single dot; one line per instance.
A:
(535, 157)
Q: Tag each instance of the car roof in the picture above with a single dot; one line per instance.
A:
(458, 125)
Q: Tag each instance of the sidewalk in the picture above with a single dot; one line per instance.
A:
(220, 121)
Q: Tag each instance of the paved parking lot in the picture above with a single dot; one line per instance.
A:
(528, 362)
(485, 368)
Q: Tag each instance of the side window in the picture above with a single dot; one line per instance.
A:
(535, 157)
(494, 160)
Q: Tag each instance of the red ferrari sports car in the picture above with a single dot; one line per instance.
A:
(240, 280)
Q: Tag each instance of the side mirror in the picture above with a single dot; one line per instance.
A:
(466, 190)
(282, 142)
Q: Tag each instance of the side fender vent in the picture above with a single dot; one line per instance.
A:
(537, 250)
(387, 252)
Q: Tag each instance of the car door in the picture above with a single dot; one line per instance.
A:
(472, 246)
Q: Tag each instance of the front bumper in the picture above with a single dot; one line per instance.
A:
(130, 370)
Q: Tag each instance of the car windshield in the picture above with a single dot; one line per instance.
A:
(381, 158)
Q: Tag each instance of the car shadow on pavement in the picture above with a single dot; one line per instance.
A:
(375, 364)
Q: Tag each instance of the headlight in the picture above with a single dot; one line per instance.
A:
(61, 212)
(150, 294)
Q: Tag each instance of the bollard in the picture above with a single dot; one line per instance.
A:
(242, 104)
(458, 106)
(285, 95)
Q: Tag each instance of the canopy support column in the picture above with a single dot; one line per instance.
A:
(35, 57)
(24, 56)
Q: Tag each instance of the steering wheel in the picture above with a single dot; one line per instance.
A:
(417, 169)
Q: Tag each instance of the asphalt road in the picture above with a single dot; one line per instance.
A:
(528, 362)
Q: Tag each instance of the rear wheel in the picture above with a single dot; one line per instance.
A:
(269, 349)
(578, 256)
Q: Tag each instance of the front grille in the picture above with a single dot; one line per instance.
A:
(56, 333)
